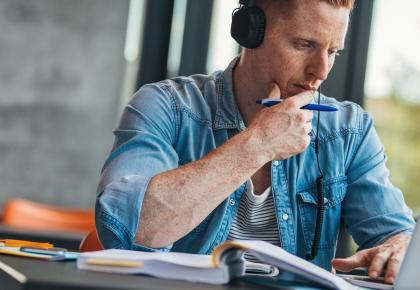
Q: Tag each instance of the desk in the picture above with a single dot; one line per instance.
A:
(18, 273)
(67, 240)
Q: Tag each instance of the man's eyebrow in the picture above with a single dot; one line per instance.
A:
(306, 39)
(314, 42)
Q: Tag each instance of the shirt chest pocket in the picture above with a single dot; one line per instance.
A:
(334, 193)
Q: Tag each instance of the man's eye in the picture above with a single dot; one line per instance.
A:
(303, 45)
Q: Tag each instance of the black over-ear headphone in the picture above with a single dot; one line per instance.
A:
(248, 25)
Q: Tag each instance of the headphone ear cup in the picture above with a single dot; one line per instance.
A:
(248, 26)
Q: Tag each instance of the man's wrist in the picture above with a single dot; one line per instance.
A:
(252, 146)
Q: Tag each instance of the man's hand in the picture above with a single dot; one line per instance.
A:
(386, 257)
(283, 130)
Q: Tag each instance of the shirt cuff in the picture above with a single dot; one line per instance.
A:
(118, 210)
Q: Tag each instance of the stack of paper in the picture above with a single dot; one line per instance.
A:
(193, 268)
(28, 249)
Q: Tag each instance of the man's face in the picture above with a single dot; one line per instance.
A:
(299, 50)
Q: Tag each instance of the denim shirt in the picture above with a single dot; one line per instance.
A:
(177, 121)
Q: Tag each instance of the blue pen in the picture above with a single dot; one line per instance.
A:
(313, 107)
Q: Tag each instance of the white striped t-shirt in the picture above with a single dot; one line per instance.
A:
(255, 219)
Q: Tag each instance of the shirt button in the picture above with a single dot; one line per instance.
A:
(326, 200)
(276, 163)
(285, 216)
(232, 202)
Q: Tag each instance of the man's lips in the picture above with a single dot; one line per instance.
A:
(296, 89)
(305, 87)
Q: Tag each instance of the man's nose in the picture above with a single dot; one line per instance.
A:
(319, 66)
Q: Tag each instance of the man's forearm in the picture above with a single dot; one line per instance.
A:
(176, 201)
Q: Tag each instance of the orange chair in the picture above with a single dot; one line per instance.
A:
(21, 213)
(91, 243)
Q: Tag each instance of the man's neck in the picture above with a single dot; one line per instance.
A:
(246, 91)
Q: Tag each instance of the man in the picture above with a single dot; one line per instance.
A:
(196, 160)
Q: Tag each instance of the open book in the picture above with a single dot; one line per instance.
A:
(223, 265)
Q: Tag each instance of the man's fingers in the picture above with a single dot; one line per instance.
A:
(379, 261)
(300, 100)
(393, 267)
(389, 254)
(360, 259)
(275, 92)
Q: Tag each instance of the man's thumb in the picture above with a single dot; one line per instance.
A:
(344, 265)
(349, 263)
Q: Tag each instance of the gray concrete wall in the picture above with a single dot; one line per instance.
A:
(61, 69)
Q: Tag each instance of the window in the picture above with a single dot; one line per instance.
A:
(392, 91)
(177, 34)
(222, 47)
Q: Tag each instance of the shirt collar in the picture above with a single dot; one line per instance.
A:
(227, 115)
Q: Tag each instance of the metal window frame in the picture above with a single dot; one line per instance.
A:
(156, 36)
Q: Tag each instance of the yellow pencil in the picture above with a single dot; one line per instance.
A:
(22, 243)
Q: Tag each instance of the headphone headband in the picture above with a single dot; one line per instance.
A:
(247, 3)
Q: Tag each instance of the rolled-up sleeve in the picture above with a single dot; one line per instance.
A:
(143, 148)
(373, 209)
